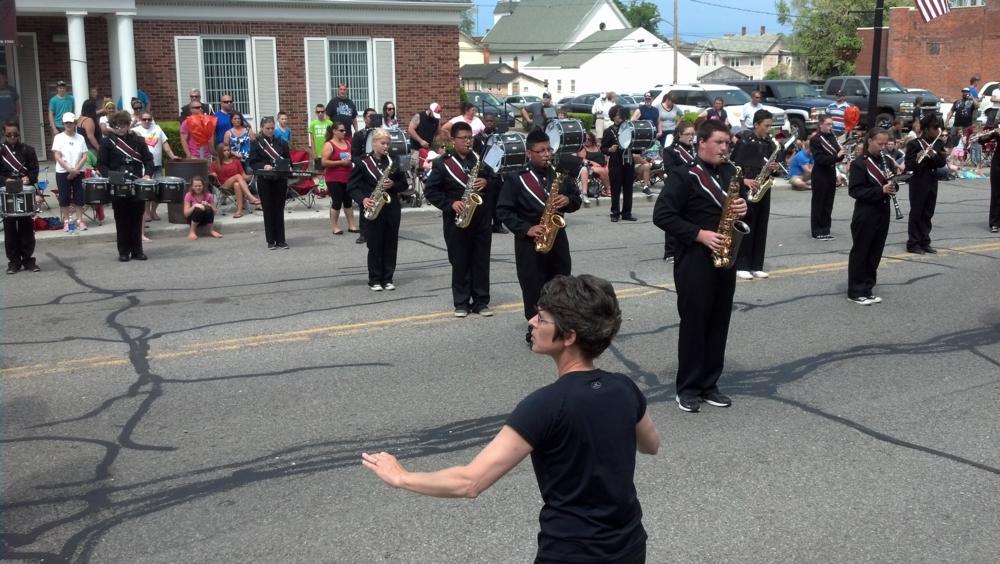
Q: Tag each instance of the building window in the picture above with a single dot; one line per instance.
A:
(559, 86)
(349, 63)
(933, 48)
(225, 66)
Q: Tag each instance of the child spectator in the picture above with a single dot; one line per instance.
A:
(199, 208)
(282, 131)
(800, 169)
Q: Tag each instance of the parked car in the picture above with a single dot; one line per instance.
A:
(892, 100)
(581, 104)
(487, 103)
(521, 101)
(798, 98)
(699, 97)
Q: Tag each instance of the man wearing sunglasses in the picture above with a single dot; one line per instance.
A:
(317, 138)
(18, 161)
(195, 98)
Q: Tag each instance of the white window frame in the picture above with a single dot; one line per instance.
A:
(370, 63)
(250, 116)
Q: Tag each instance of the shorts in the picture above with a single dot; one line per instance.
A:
(338, 195)
(70, 189)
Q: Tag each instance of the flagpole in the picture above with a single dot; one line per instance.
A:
(876, 64)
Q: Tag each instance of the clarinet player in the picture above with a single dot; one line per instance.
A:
(868, 183)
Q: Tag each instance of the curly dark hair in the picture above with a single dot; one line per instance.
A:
(586, 305)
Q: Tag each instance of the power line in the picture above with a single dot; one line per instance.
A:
(741, 9)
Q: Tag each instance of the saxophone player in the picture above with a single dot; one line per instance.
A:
(690, 208)
(520, 207)
(382, 232)
(752, 152)
(924, 156)
(468, 247)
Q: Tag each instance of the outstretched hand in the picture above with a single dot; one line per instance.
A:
(385, 466)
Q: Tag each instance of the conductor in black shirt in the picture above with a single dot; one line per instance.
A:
(268, 153)
(690, 209)
(122, 150)
(582, 432)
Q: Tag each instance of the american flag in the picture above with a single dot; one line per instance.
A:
(930, 9)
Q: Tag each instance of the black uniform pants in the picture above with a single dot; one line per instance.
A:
(534, 269)
(382, 235)
(490, 205)
(824, 188)
(923, 200)
(272, 193)
(469, 255)
(704, 304)
(869, 228)
(751, 255)
(995, 194)
(622, 177)
(19, 241)
(128, 224)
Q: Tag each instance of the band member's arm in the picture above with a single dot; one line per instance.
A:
(571, 189)
(820, 155)
(608, 140)
(103, 157)
(525, 116)
(412, 130)
(668, 212)
(257, 158)
(913, 150)
(507, 206)
(31, 163)
(358, 185)
(435, 187)
(647, 439)
(861, 186)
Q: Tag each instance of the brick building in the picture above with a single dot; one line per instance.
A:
(277, 55)
(942, 55)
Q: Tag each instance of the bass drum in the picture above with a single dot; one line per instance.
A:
(399, 142)
(95, 191)
(637, 135)
(170, 189)
(505, 153)
(566, 135)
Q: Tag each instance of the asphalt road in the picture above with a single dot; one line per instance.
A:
(210, 405)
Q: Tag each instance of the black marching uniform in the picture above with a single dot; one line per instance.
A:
(130, 155)
(381, 233)
(750, 154)
(869, 224)
(621, 173)
(677, 159)
(273, 190)
(468, 247)
(689, 202)
(18, 161)
(359, 144)
(522, 201)
(923, 191)
(994, 217)
(824, 148)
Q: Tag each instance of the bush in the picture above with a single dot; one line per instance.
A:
(586, 119)
(173, 131)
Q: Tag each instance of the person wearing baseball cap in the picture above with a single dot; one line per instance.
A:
(59, 104)
(70, 151)
(423, 127)
(836, 111)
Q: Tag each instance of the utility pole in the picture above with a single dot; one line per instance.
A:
(677, 45)
(876, 64)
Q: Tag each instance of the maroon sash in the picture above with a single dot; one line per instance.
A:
(12, 161)
(688, 158)
(271, 152)
(456, 171)
(832, 149)
(533, 185)
(372, 167)
(709, 184)
(875, 171)
(124, 148)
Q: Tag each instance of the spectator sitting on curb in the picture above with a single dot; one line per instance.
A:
(199, 208)
(800, 169)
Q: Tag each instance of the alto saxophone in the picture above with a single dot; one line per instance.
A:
(551, 220)
(470, 198)
(729, 226)
(765, 179)
(379, 195)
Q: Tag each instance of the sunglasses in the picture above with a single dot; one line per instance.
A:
(10, 135)
(147, 119)
(227, 101)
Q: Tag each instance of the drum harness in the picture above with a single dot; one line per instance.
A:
(13, 162)
(131, 155)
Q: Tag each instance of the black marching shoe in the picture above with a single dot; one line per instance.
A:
(915, 250)
(689, 404)
(139, 256)
(629, 217)
(272, 247)
(361, 240)
(123, 258)
(13, 268)
(717, 399)
(614, 218)
(994, 229)
(930, 250)
(32, 267)
(283, 245)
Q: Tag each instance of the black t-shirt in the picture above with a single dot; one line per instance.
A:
(582, 430)
(342, 110)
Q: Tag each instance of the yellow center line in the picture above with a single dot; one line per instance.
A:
(304, 335)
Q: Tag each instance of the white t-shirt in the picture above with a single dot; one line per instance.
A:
(154, 138)
(747, 112)
(476, 124)
(71, 149)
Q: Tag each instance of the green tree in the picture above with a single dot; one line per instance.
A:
(777, 72)
(825, 32)
(468, 22)
(642, 14)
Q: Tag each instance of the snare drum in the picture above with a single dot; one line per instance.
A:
(506, 153)
(170, 189)
(18, 204)
(636, 135)
(565, 135)
(95, 191)
(146, 190)
(122, 189)
(399, 142)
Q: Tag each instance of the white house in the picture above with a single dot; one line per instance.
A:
(750, 55)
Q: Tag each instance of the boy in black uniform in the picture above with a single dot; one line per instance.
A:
(468, 247)
(359, 141)
(751, 153)
(677, 159)
(923, 184)
(271, 153)
(868, 183)
(827, 152)
(621, 168)
(522, 201)
(381, 233)
(690, 209)
(19, 162)
(122, 150)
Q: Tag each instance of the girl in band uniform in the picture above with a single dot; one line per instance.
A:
(924, 183)
(868, 183)
(270, 153)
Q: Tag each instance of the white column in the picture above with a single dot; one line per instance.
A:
(126, 56)
(77, 58)
(116, 81)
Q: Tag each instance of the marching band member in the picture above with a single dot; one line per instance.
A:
(520, 207)
(994, 217)
(869, 185)
(123, 150)
(827, 152)
(270, 153)
(18, 160)
(751, 153)
(677, 159)
(382, 232)
(468, 247)
(924, 183)
(689, 208)
(621, 169)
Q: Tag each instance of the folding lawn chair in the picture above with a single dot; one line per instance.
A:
(302, 189)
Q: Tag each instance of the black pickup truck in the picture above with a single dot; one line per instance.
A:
(798, 98)
(893, 100)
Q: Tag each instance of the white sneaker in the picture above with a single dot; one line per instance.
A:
(389, 286)
(744, 275)
(760, 274)
(375, 287)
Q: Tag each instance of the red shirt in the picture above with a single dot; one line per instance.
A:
(338, 173)
(227, 170)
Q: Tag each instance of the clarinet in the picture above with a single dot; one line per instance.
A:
(891, 174)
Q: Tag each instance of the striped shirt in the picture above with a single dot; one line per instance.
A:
(836, 111)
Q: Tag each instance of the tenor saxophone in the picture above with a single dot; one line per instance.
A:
(551, 221)
(729, 226)
(379, 195)
(765, 179)
(470, 198)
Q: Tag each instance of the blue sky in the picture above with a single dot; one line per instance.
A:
(697, 20)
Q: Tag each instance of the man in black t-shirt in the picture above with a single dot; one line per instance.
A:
(342, 109)
(582, 432)
(964, 111)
